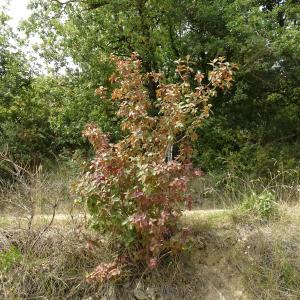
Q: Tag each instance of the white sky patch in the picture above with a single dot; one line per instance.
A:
(18, 11)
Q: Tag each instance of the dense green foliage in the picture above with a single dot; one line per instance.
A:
(254, 128)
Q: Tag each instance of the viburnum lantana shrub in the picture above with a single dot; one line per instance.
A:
(135, 189)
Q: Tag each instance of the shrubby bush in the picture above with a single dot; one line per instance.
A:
(134, 189)
(261, 205)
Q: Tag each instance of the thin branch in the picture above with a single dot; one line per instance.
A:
(17, 168)
(91, 6)
(66, 2)
(46, 227)
(98, 5)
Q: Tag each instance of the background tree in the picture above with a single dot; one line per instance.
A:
(253, 126)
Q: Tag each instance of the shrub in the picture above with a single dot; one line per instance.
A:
(262, 205)
(134, 189)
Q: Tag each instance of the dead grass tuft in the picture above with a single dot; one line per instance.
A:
(268, 258)
(55, 268)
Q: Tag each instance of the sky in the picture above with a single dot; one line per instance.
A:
(17, 11)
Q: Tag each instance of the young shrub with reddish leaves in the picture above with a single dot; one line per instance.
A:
(135, 189)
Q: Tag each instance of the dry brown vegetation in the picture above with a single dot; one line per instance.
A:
(233, 253)
(227, 259)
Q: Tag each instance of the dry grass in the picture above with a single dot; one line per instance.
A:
(225, 190)
(54, 269)
(225, 260)
(268, 257)
(233, 254)
(36, 192)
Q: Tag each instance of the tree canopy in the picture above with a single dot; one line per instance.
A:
(255, 126)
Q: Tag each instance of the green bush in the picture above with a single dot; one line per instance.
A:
(8, 258)
(261, 205)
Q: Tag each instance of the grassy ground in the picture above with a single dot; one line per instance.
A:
(229, 258)
(245, 244)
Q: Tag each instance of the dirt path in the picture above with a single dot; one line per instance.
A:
(64, 217)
